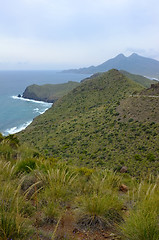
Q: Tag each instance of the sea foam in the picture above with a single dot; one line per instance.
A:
(31, 100)
(16, 129)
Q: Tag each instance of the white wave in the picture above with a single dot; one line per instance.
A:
(36, 110)
(152, 78)
(17, 129)
(41, 112)
(31, 100)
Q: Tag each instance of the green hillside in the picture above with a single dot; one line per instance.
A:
(52, 92)
(46, 199)
(145, 82)
(85, 128)
(139, 79)
(49, 92)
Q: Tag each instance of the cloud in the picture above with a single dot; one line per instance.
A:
(80, 33)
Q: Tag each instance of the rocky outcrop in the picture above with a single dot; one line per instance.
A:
(48, 92)
(29, 93)
(152, 91)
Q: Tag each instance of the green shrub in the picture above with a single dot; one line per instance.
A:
(13, 225)
(142, 223)
(59, 183)
(97, 211)
(137, 157)
(26, 165)
(151, 157)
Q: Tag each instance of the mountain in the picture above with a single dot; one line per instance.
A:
(91, 126)
(134, 64)
(48, 92)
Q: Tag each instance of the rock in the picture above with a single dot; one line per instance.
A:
(124, 169)
(75, 230)
(19, 95)
(123, 188)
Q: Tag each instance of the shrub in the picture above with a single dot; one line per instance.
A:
(137, 157)
(26, 165)
(142, 222)
(151, 157)
(98, 211)
(13, 225)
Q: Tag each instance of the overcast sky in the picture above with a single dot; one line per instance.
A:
(61, 34)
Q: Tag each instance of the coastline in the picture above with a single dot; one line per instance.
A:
(31, 100)
(17, 128)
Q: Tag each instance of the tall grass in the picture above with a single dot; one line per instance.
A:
(100, 206)
(143, 220)
(13, 225)
(97, 211)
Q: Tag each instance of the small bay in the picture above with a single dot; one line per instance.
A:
(17, 113)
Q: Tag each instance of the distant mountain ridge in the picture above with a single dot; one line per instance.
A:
(135, 64)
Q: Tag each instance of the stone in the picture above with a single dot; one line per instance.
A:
(123, 188)
(124, 169)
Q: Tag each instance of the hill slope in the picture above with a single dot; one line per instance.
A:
(48, 92)
(145, 82)
(139, 79)
(144, 106)
(134, 64)
(52, 92)
(85, 128)
(152, 91)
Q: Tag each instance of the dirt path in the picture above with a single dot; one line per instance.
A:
(150, 96)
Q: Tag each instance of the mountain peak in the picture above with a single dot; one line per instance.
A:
(121, 55)
(135, 64)
(134, 55)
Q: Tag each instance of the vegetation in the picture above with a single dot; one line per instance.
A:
(56, 200)
(152, 91)
(49, 92)
(94, 172)
(139, 79)
(96, 126)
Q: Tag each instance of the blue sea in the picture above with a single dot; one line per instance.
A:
(17, 113)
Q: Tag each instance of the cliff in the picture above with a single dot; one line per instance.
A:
(48, 92)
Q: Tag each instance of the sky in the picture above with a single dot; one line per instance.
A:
(63, 34)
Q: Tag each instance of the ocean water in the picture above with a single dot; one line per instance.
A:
(17, 113)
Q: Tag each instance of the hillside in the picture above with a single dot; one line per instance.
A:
(139, 79)
(145, 82)
(48, 92)
(152, 91)
(135, 64)
(48, 199)
(85, 128)
(52, 92)
(141, 107)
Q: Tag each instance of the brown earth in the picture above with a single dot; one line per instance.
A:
(67, 229)
(139, 108)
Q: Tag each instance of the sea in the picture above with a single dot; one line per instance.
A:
(17, 113)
